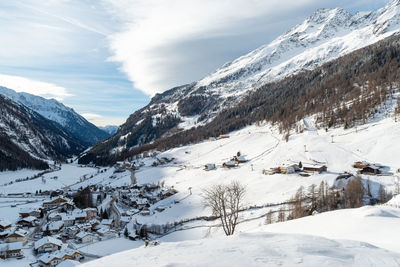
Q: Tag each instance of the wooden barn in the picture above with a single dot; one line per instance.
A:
(315, 168)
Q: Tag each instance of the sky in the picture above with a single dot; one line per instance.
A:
(107, 58)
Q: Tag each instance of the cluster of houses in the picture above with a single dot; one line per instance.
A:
(51, 251)
(301, 169)
(140, 198)
(370, 168)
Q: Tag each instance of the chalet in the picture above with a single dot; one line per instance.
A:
(142, 203)
(315, 168)
(371, 169)
(106, 233)
(55, 203)
(29, 221)
(68, 254)
(80, 217)
(4, 224)
(209, 167)
(84, 237)
(69, 205)
(124, 220)
(53, 227)
(107, 222)
(47, 244)
(91, 213)
(168, 193)
(54, 217)
(69, 263)
(30, 212)
(12, 250)
(239, 159)
(19, 235)
(72, 231)
(68, 220)
(49, 260)
(229, 164)
(145, 212)
(360, 164)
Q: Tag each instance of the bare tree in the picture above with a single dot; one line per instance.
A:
(268, 219)
(225, 202)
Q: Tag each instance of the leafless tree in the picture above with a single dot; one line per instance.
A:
(225, 202)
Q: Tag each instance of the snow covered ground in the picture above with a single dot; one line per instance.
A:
(256, 249)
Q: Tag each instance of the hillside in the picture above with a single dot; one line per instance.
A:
(71, 122)
(345, 91)
(323, 37)
(27, 138)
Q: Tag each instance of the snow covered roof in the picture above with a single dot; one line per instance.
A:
(47, 258)
(107, 221)
(47, 240)
(11, 246)
(68, 263)
(20, 232)
(82, 234)
(29, 219)
(4, 223)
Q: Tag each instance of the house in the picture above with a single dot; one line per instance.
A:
(72, 231)
(229, 164)
(145, 212)
(54, 217)
(68, 254)
(12, 250)
(30, 212)
(124, 220)
(84, 237)
(315, 168)
(4, 224)
(80, 217)
(209, 167)
(69, 263)
(360, 164)
(240, 159)
(49, 260)
(55, 203)
(91, 213)
(47, 244)
(371, 169)
(19, 235)
(142, 203)
(68, 220)
(106, 233)
(168, 193)
(29, 221)
(53, 227)
(107, 222)
(69, 205)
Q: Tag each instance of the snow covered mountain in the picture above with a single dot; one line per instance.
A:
(325, 36)
(55, 111)
(110, 129)
(27, 138)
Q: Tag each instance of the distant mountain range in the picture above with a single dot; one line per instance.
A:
(326, 35)
(110, 129)
(33, 129)
(66, 117)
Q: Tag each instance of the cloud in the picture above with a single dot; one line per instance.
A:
(165, 43)
(43, 89)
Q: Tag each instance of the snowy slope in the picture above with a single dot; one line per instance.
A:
(256, 249)
(55, 111)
